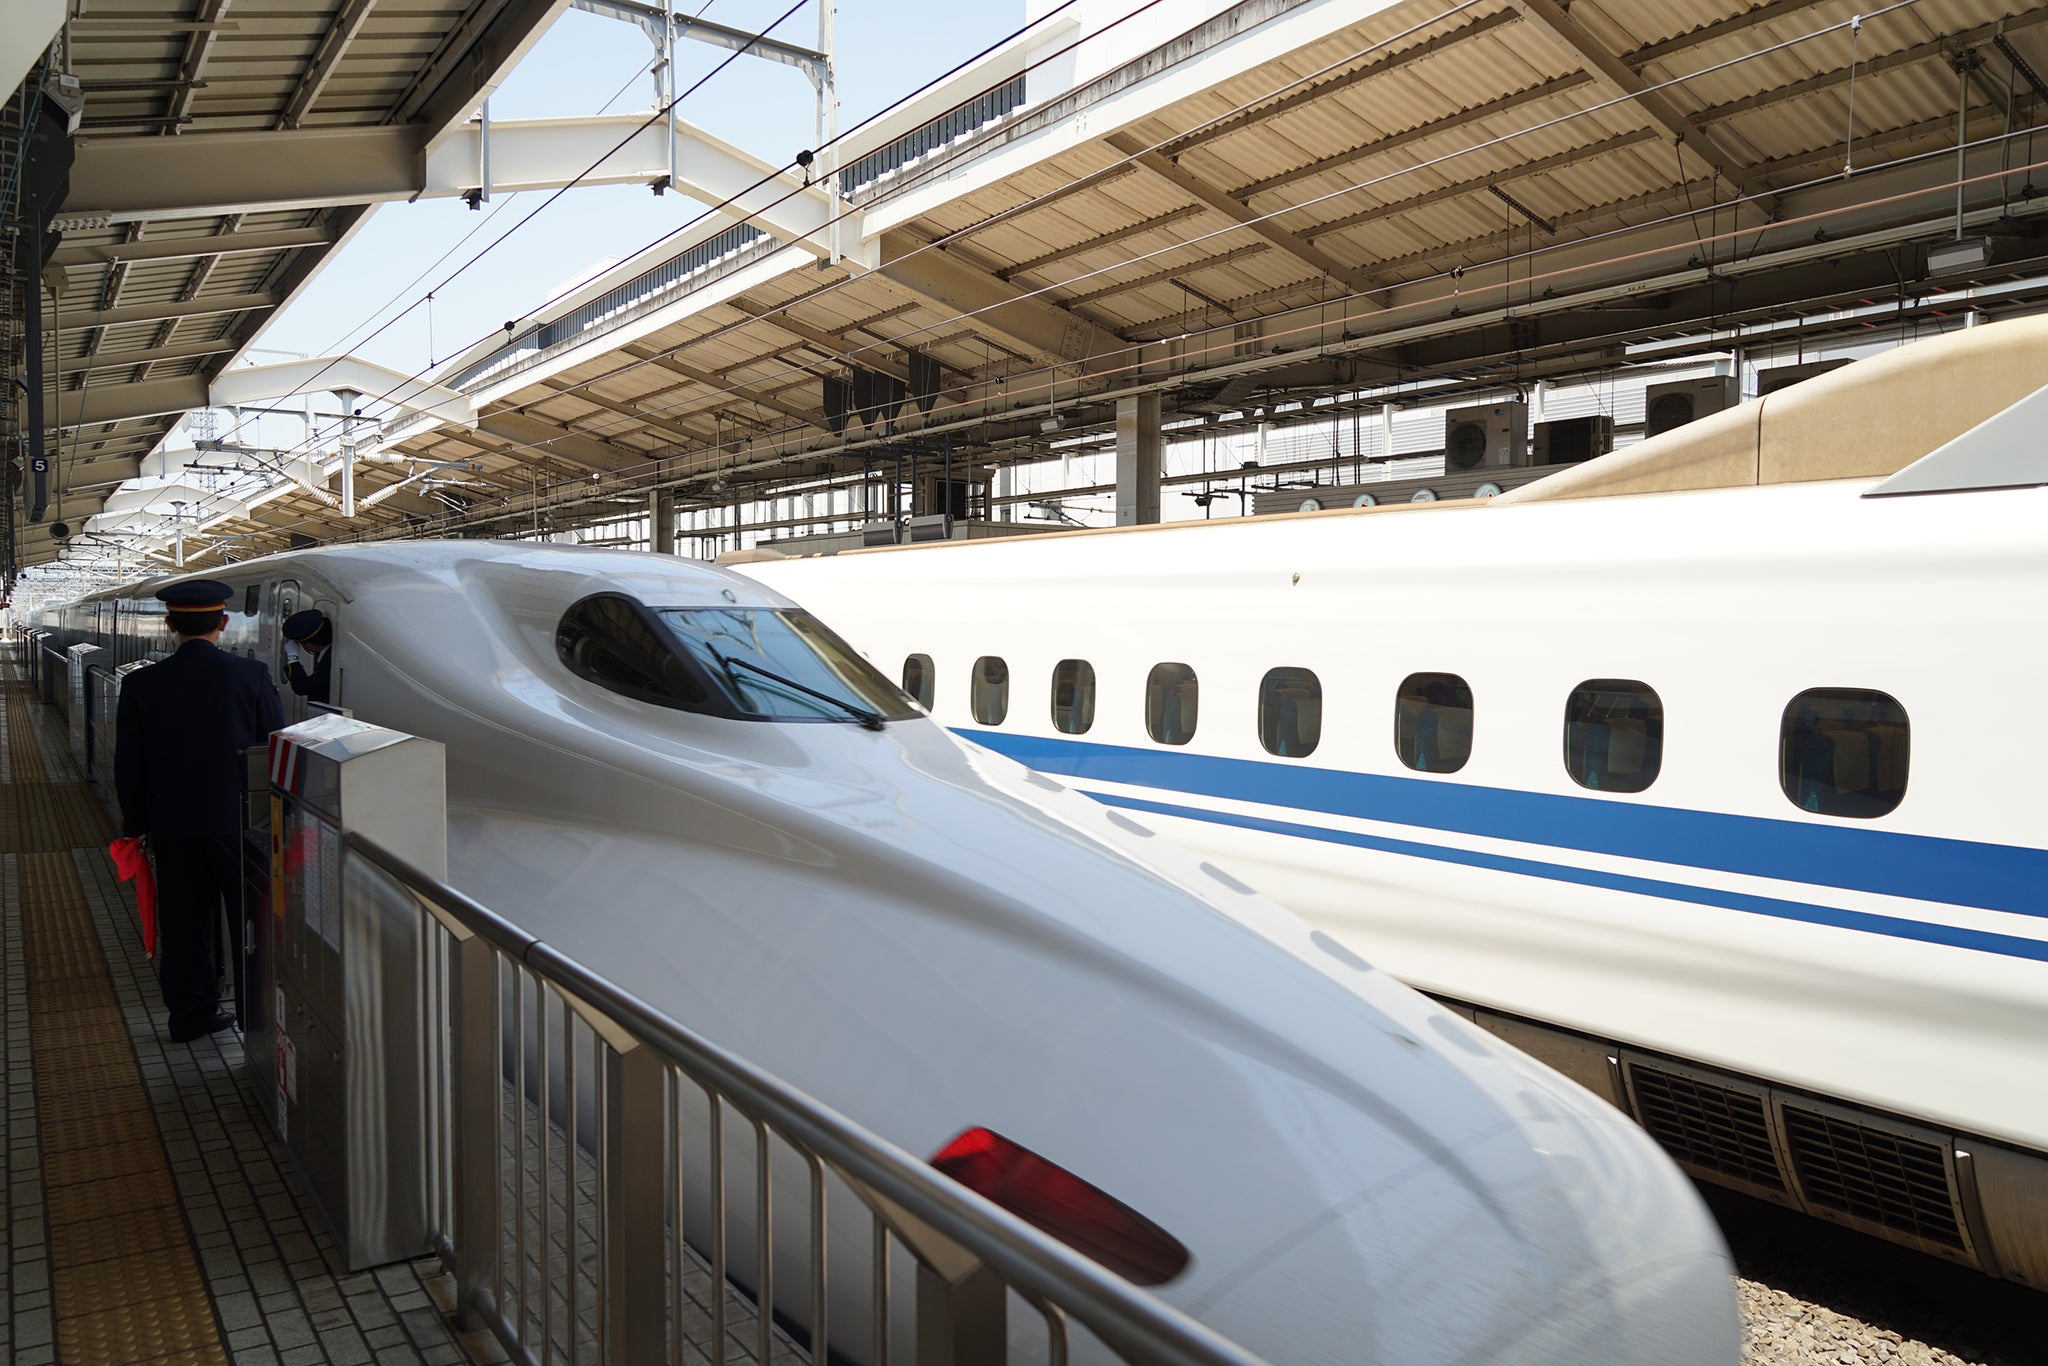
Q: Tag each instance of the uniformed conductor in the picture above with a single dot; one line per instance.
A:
(310, 636)
(178, 736)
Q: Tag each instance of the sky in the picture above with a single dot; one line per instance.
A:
(586, 64)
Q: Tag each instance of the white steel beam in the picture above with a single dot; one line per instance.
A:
(206, 175)
(332, 374)
(1031, 323)
(532, 435)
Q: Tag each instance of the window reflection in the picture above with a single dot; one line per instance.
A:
(919, 679)
(1073, 696)
(1172, 699)
(1844, 752)
(1433, 722)
(1614, 735)
(1290, 712)
(991, 692)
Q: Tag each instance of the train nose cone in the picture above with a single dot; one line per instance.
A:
(1585, 1247)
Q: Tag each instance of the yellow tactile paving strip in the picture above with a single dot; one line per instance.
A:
(25, 761)
(125, 1277)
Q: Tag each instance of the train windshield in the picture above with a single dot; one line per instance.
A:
(783, 666)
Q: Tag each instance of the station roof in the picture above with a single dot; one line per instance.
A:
(1292, 198)
(147, 294)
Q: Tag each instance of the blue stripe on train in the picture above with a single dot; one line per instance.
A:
(2010, 946)
(1995, 877)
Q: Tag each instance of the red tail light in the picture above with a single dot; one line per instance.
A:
(1085, 1218)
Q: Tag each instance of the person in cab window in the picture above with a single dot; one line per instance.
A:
(309, 651)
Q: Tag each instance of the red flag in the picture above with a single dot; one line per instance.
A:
(132, 864)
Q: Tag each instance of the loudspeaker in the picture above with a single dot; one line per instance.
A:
(1489, 436)
(1673, 405)
(881, 531)
(1569, 440)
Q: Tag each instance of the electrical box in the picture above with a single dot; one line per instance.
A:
(79, 659)
(1569, 440)
(331, 1032)
(1492, 436)
(1666, 406)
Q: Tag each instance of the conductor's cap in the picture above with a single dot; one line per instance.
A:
(301, 625)
(196, 595)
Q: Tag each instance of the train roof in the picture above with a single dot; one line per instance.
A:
(1874, 419)
(1865, 421)
(669, 581)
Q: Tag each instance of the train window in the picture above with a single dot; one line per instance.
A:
(782, 666)
(1614, 735)
(1073, 696)
(1433, 722)
(1290, 712)
(991, 691)
(251, 597)
(1843, 752)
(617, 644)
(918, 679)
(749, 663)
(1172, 700)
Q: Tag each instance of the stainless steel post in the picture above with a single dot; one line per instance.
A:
(636, 1205)
(961, 1319)
(475, 1142)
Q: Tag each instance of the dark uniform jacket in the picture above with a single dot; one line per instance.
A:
(311, 684)
(178, 736)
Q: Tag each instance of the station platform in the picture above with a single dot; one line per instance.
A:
(151, 1215)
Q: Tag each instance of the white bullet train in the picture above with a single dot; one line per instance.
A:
(1705, 771)
(677, 777)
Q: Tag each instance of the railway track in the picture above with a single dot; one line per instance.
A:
(1812, 1293)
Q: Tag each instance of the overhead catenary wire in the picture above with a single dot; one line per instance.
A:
(418, 377)
(583, 492)
(901, 337)
(658, 114)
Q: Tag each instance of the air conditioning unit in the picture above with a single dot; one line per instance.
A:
(1569, 440)
(1673, 405)
(930, 526)
(1490, 436)
(1777, 377)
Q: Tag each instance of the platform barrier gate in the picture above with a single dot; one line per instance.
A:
(598, 1177)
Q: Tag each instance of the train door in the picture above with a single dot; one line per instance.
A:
(281, 598)
(337, 668)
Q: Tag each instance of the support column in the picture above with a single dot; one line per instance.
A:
(661, 522)
(1137, 460)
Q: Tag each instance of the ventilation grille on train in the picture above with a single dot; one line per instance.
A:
(1868, 1174)
(1708, 1126)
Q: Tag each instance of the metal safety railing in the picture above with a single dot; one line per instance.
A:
(609, 1187)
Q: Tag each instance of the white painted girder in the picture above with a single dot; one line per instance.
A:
(335, 374)
(206, 175)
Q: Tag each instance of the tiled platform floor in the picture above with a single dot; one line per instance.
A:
(150, 1214)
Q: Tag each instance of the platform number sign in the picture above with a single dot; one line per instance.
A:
(40, 465)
